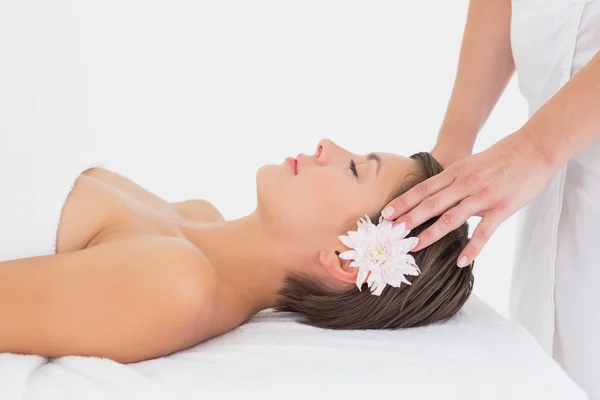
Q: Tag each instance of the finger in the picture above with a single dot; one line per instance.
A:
(484, 230)
(449, 221)
(429, 208)
(413, 197)
(433, 206)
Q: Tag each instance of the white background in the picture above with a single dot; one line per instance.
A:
(190, 98)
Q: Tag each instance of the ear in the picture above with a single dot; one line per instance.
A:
(336, 267)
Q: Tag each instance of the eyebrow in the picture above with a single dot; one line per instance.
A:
(373, 156)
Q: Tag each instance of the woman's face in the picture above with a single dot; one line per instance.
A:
(314, 198)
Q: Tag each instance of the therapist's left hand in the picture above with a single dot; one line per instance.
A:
(493, 184)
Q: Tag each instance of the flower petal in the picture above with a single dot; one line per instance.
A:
(379, 270)
(378, 288)
(362, 254)
(405, 245)
(411, 270)
(371, 238)
(404, 263)
(399, 231)
(360, 278)
(353, 235)
(414, 241)
(393, 279)
(347, 240)
(410, 259)
(384, 233)
(349, 255)
(374, 276)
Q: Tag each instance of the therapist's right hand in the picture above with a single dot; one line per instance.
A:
(493, 184)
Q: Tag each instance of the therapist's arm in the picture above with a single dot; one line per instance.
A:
(497, 182)
(485, 67)
(570, 120)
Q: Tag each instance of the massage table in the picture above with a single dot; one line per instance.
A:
(477, 354)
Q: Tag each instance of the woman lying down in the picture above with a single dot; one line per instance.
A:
(135, 277)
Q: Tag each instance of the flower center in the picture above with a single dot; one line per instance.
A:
(378, 254)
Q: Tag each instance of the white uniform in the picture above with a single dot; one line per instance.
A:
(555, 291)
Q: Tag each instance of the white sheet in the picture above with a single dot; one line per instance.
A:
(476, 355)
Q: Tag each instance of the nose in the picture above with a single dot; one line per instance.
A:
(327, 151)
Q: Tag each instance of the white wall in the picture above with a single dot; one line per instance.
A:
(211, 90)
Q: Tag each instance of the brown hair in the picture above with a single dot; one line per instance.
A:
(436, 294)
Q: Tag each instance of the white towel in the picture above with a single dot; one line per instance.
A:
(476, 355)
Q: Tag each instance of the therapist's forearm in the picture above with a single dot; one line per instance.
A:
(570, 120)
(485, 67)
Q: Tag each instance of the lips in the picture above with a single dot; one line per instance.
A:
(293, 163)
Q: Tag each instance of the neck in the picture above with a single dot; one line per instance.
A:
(250, 261)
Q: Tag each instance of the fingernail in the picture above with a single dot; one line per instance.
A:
(388, 212)
(462, 262)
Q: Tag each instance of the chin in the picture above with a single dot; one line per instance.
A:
(265, 177)
(268, 186)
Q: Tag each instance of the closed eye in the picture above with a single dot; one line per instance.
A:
(353, 168)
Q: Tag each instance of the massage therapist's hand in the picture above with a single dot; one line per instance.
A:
(493, 185)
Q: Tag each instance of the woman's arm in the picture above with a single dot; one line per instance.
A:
(570, 120)
(127, 301)
(485, 67)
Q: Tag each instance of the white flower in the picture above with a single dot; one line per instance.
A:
(380, 252)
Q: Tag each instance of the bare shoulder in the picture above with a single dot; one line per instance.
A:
(186, 272)
(198, 209)
(178, 280)
(171, 258)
